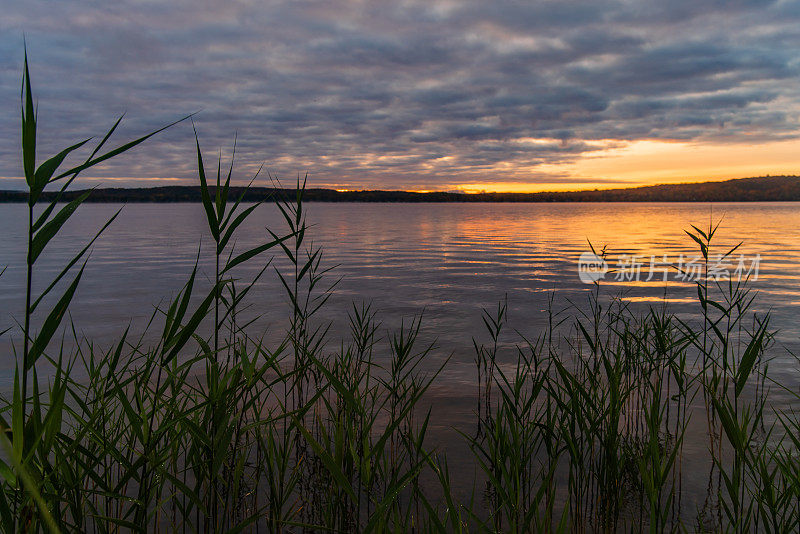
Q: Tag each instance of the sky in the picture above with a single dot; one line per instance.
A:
(416, 95)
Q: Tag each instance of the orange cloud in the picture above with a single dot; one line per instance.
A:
(651, 162)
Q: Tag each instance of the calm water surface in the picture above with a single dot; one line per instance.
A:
(446, 260)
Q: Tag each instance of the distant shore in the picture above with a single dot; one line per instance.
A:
(760, 189)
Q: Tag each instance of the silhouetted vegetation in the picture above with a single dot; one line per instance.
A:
(765, 188)
(208, 429)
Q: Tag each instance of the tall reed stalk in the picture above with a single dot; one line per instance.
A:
(210, 429)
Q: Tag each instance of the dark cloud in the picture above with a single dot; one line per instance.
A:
(410, 94)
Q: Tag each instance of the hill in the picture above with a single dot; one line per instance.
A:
(766, 188)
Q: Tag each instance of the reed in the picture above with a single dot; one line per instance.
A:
(210, 429)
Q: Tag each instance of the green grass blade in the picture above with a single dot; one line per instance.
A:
(51, 323)
(72, 262)
(28, 129)
(115, 152)
(49, 230)
(255, 251)
(213, 223)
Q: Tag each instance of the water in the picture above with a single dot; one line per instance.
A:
(447, 260)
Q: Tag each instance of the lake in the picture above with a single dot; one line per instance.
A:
(448, 261)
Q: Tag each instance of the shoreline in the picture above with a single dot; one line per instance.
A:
(761, 189)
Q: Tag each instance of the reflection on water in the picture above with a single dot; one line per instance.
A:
(449, 260)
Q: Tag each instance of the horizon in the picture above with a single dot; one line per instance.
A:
(419, 266)
(100, 187)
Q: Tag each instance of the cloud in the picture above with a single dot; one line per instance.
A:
(406, 94)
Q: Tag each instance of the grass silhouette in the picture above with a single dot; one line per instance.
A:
(209, 429)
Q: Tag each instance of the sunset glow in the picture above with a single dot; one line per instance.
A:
(400, 266)
(650, 162)
(418, 96)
